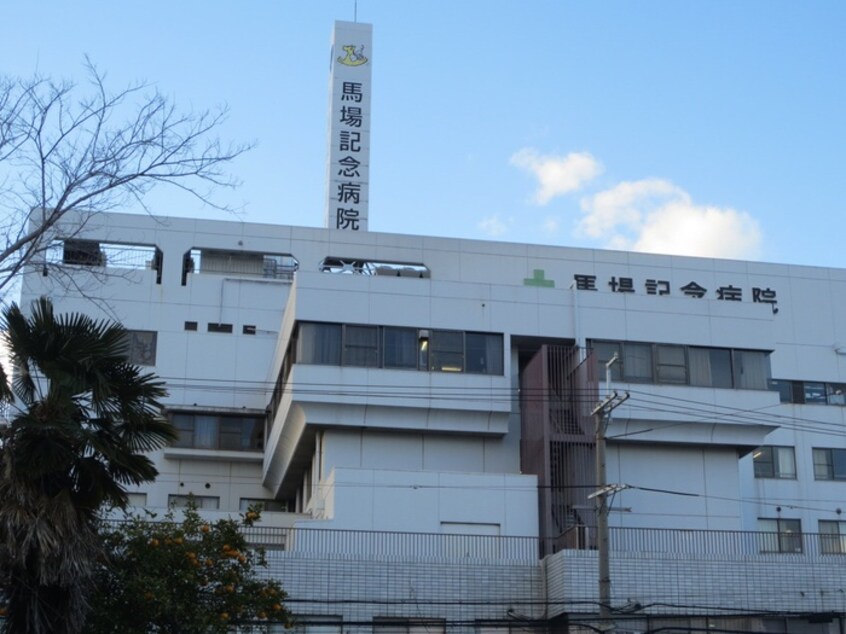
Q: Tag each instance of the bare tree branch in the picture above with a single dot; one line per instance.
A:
(66, 148)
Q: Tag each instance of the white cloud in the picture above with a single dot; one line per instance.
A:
(493, 225)
(551, 224)
(557, 175)
(656, 216)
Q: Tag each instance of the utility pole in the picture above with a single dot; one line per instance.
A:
(602, 414)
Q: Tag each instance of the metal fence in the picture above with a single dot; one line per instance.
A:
(716, 543)
(632, 542)
(387, 545)
(414, 546)
(91, 253)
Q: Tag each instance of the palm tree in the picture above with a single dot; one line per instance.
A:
(83, 419)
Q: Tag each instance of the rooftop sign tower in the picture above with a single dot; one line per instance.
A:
(348, 174)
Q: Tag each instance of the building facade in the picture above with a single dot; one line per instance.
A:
(440, 392)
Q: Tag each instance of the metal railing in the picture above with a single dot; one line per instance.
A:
(240, 264)
(387, 545)
(696, 543)
(414, 546)
(628, 542)
(91, 253)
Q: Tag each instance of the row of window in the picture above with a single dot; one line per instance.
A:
(639, 362)
(226, 432)
(211, 502)
(809, 392)
(389, 347)
(311, 624)
(141, 345)
(780, 462)
(193, 326)
(208, 502)
(398, 348)
(780, 535)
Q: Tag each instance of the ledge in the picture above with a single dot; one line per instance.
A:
(185, 453)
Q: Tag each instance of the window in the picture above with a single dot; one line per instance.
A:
(814, 392)
(207, 502)
(218, 431)
(836, 393)
(500, 627)
(784, 389)
(780, 535)
(832, 537)
(446, 351)
(399, 347)
(312, 624)
(774, 462)
(809, 392)
(361, 346)
(319, 344)
(604, 351)
(829, 464)
(395, 347)
(408, 626)
(685, 365)
(270, 506)
(797, 392)
(751, 369)
(224, 328)
(191, 325)
(141, 346)
(484, 353)
(670, 365)
(637, 362)
(137, 500)
(710, 367)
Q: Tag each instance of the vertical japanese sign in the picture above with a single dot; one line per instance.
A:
(347, 182)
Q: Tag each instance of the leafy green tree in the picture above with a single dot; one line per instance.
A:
(82, 419)
(186, 577)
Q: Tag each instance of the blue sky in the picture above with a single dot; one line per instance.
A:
(699, 127)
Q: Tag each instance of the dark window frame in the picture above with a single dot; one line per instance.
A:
(833, 467)
(786, 539)
(633, 362)
(832, 542)
(139, 352)
(267, 505)
(768, 465)
(181, 500)
(226, 431)
(435, 350)
(800, 392)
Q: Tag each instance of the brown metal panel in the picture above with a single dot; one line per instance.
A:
(557, 394)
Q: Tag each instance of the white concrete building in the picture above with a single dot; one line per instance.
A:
(373, 382)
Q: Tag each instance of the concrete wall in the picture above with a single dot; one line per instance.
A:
(682, 583)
